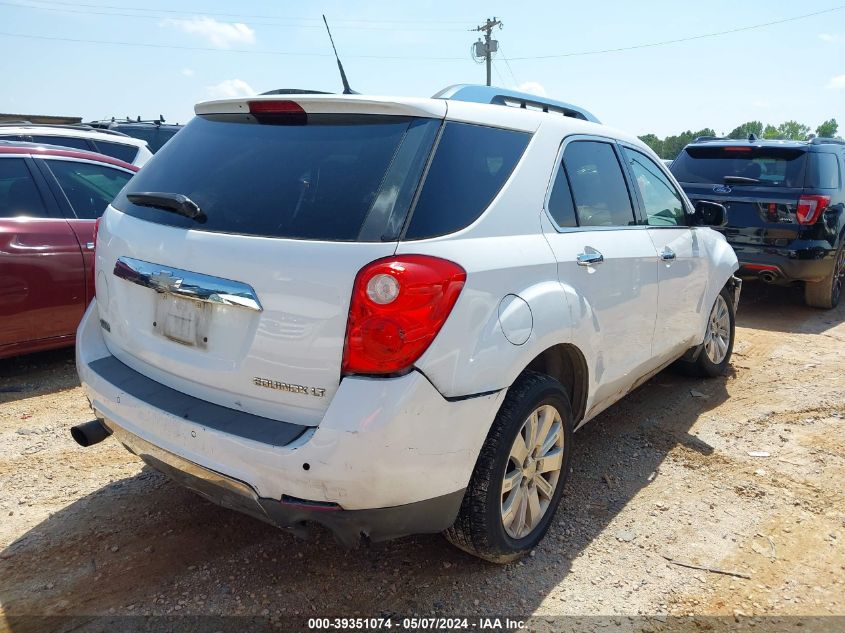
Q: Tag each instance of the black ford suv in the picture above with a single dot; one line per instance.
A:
(785, 204)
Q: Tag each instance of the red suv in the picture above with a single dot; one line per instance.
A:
(50, 199)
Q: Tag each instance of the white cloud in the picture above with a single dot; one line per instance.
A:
(827, 37)
(188, 72)
(532, 87)
(230, 88)
(218, 34)
(837, 83)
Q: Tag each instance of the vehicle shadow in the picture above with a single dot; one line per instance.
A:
(782, 309)
(37, 374)
(144, 545)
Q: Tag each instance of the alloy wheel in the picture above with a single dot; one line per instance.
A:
(533, 471)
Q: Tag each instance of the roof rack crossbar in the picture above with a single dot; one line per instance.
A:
(513, 98)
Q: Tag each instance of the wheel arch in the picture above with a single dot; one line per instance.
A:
(565, 363)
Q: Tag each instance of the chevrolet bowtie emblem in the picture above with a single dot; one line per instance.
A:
(164, 281)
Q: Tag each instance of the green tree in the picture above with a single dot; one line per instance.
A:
(793, 131)
(770, 131)
(828, 129)
(653, 142)
(750, 127)
(672, 145)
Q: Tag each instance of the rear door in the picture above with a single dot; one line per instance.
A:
(608, 259)
(248, 307)
(83, 189)
(42, 281)
(682, 259)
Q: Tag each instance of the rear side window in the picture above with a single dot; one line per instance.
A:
(823, 172)
(19, 196)
(561, 207)
(120, 151)
(336, 178)
(89, 188)
(64, 141)
(743, 165)
(598, 186)
(470, 166)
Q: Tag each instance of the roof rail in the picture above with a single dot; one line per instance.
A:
(822, 140)
(513, 98)
(64, 126)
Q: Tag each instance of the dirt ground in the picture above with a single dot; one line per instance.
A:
(740, 474)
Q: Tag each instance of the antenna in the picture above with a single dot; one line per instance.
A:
(346, 89)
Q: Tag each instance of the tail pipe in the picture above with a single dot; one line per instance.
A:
(768, 276)
(89, 433)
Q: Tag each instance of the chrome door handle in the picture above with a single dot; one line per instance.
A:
(89, 246)
(589, 259)
(667, 255)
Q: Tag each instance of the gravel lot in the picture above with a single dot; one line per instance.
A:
(742, 473)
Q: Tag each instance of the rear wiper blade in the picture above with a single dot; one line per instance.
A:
(740, 179)
(175, 202)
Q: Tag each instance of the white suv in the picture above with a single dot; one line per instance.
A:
(389, 315)
(130, 150)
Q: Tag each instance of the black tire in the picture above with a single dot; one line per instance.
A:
(478, 528)
(825, 294)
(702, 366)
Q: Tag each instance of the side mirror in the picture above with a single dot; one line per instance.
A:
(709, 213)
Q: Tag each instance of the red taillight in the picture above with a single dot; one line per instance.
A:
(398, 306)
(278, 111)
(738, 149)
(810, 208)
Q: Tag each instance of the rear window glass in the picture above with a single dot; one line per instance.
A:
(338, 178)
(598, 186)
(741, 165)
(120, 151)
(471, 164)
(18, 194)
(823, 172)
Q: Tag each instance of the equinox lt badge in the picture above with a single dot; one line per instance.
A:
(319, 392)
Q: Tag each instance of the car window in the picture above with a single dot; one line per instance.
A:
(470, 166)
(741, 165)
(336, 178)
(662, 202)
(120, 151)
(561, 207)
(598, 186)
(64, 141)
(19, 196)
(823, 172)
(89, 188)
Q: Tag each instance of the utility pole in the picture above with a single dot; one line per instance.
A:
(489, 46)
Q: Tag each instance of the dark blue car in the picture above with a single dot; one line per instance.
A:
(785, 203)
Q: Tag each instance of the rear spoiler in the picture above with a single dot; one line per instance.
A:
(334, 104)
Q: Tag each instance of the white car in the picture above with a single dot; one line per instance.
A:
(389, 315)
(130, 150)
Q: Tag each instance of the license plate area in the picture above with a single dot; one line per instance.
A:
(181, 320)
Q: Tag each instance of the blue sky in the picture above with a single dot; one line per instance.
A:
(202, 49)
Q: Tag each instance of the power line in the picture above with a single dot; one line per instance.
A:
(257, 51)
(508, 64)
(62, 9)
(682, 39)
(240, 15)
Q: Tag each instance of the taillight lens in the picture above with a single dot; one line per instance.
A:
(398, 306)
(278, 111)
(810, 208)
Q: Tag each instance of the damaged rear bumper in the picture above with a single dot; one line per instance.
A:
(348, 526)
